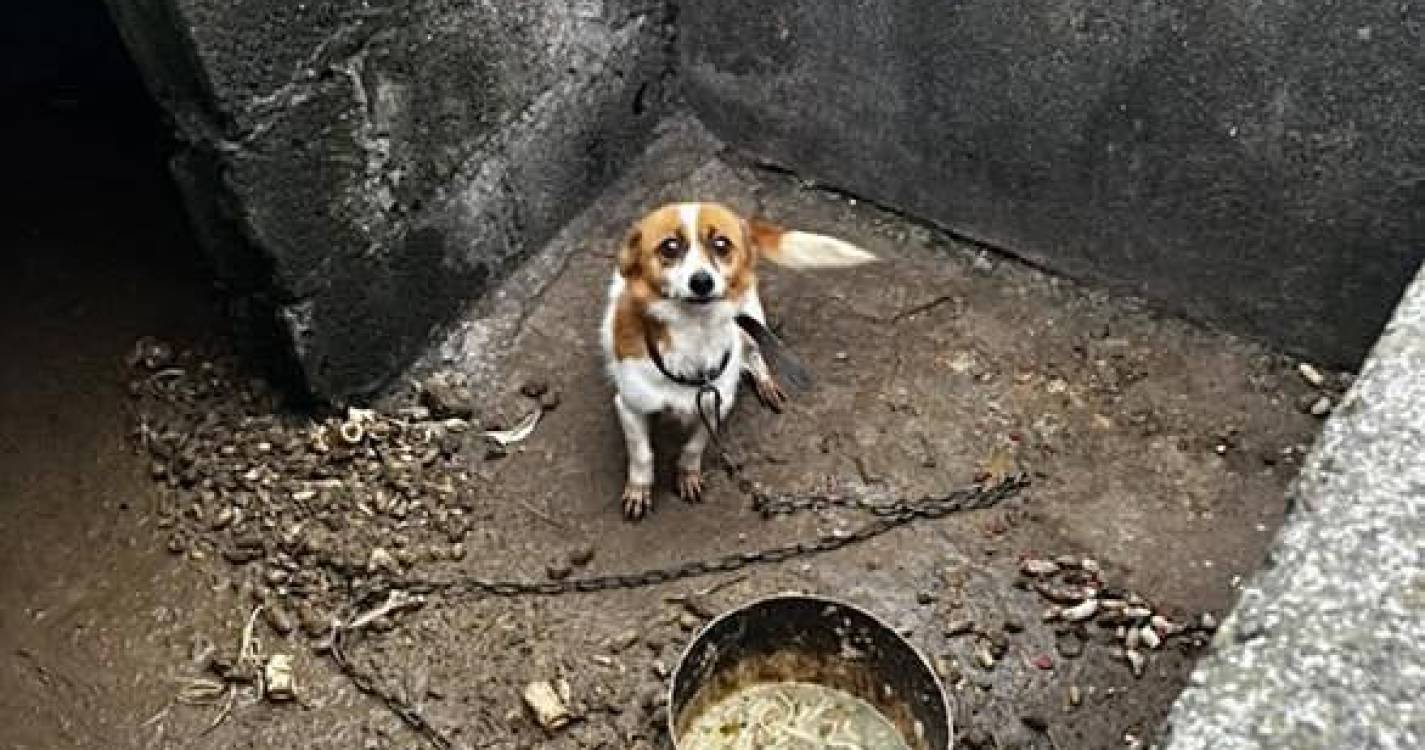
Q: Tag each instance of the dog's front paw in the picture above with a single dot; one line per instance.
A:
(690, 485)
(637, 500)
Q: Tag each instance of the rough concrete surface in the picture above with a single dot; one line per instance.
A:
(365, 169)
(1254, 166)
(1324, 649)
(1161, 450)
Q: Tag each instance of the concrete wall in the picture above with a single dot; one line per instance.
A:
(1259, 166)
(362, 169)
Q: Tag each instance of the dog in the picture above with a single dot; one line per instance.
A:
(685, 276)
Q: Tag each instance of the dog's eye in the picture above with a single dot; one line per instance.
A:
(670, 248)
(722, 245)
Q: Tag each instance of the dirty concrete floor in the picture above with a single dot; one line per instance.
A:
(96, 253)
(1159, 449)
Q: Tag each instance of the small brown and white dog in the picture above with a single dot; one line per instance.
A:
(671, 338)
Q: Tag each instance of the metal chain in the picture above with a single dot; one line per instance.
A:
(403, 709)
(887, 516)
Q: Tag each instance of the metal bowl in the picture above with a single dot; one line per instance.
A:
(815, 640)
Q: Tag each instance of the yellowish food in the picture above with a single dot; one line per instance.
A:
(791, 716)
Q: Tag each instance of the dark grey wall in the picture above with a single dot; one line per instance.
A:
(362, 169)
(1260, 166)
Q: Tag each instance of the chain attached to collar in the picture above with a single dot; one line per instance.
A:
(705, 383)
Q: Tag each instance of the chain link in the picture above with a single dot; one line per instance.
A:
(887, 515)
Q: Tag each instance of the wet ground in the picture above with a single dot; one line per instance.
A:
(1157, 449)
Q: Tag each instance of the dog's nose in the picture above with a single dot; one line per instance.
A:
(701, 283)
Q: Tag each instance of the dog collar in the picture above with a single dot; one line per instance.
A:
(703, 379)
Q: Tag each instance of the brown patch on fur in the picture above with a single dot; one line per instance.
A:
(632, 324)
(767, 237)
(638, 258)
(738, 264)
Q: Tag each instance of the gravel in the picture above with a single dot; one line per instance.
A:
(302, 508)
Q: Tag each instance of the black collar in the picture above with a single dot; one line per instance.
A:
(702, 380)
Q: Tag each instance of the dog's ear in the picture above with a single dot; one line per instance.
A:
(628, 254)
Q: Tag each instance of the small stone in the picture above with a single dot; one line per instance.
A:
(1013, 626)
(547, 704)
(223, 518)
(1207, 622)
(558, 570)
(415, 413)
(924, 598)
(550, 401)
(947, 670)
(958, 627)
(1062, 593)
(534, 389)
(581, 556)
(381, 560)
(1035, 567)
(277, 678)
(279, 618)
(1164, 626)
(1311, 375)
(1136, 662)
(1034, 722)
(1321, 407)
(688, 621)
(1068, 562)
(983, 657)
(176, 545)
(1081, 611)
(1042, 661)
(1076, 695)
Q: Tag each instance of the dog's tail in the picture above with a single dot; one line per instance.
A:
(805, 250)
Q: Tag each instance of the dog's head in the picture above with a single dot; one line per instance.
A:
(693, 253)
(699, 254)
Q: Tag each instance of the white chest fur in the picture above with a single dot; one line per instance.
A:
(699, 339)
